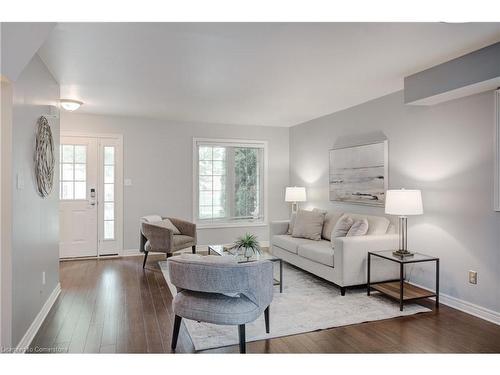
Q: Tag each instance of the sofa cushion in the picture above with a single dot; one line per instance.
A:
(359, 228)
(376, 224)
(181, 241)
(288, 242)
(331, 218)
(309, 224)
(320, 252)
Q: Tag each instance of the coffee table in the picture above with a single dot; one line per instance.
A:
(264, 255)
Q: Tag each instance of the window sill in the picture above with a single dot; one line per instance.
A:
(230, 225)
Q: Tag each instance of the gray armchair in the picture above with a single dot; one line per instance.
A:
(204, 286)
(163, 240)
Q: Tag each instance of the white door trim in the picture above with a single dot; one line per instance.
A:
(119, 176)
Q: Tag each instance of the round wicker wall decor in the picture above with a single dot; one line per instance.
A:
(44, 157)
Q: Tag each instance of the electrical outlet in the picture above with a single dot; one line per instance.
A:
(43, 278)
(472, 277)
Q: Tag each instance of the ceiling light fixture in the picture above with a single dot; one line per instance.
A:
(70, 104)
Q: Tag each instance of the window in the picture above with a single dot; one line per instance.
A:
(229, 181)
(73, 172)
(109, 192)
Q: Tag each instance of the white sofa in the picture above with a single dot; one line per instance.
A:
(341, 261)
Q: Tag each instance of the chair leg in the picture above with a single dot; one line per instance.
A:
(266, 318)
(241, 335)
(175, 335)
(145, 257)
(193, 249)
(342, 290)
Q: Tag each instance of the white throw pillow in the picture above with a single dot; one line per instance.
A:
(359, 228)
(342, 227)
(166, 223)
(309, 224)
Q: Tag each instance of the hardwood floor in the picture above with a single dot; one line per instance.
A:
(113, 306)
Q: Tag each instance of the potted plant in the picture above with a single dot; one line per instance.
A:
(249, 244)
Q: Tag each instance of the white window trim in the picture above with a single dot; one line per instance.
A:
(232, 143)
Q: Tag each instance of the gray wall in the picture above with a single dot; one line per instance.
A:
(158, 158)
(447, 151)
(35, 234)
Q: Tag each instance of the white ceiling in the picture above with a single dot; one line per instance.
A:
(246, 74)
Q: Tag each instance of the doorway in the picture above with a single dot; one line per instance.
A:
(90, 195)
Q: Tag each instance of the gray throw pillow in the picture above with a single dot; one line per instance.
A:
(166, 223)
(358, 228)
(342, 227)
(331, 218)
(308, 224)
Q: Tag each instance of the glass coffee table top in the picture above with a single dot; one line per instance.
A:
(223, 250)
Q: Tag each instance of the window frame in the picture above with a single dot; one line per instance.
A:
(223, 142)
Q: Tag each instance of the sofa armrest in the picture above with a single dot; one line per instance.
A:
(351, 253)
(278, 227)
(161, 239)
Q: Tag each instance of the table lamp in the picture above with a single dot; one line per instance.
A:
(403, 203)
(295, 195)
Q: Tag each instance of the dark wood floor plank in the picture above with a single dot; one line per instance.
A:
(114, 306)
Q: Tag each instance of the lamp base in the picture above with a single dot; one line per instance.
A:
(402, 253)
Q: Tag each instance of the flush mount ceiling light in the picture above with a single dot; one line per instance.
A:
(70, 104)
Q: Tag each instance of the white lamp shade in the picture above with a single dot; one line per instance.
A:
(403, 202)
(295, 194)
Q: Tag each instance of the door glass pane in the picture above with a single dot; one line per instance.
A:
(80, 172)
(109, 192)
(80, 190)
(67, 172)
(109, 155)
(80, 154)
(67, 153)
(109, 174)
(109, 211)
(73, 172)
(109, 230)
(66, 190)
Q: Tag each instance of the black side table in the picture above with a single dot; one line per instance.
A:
(400, 289)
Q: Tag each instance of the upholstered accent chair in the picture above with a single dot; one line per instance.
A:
(161, 239)
(218, 292)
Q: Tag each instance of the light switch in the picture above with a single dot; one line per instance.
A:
(20, 181)
(127, 182)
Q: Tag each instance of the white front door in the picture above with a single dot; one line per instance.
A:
(90, 196)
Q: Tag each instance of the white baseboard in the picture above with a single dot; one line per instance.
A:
(37, 322)
(467, 307)
(470, 308)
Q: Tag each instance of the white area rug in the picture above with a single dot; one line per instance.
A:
(306, 304)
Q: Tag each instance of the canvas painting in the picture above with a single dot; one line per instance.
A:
(358, 174)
